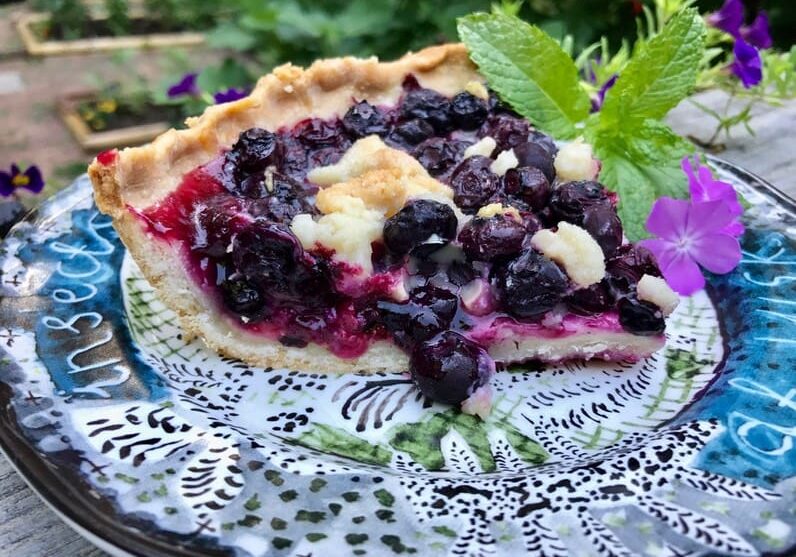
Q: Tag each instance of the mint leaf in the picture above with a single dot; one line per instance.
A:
(641, 166)
(528, 69)
(661, 73)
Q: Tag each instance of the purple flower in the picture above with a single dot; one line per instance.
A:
(690, 235)
(757, 34)
(185, 86)
(30, 180)
(597, 102)
(729, 18)
(747, 64)
(704, 187)
(231, 94)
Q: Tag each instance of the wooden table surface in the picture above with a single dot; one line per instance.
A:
(29, 529)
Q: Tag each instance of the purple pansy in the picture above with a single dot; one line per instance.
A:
(729, 18)
(30, 180)
(704, 187)
(689, 235)
(231, 94)
(185, 86)
(758, 34)
(597, 102)
(747, 64)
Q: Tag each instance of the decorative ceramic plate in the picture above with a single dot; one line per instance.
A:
(153, 445)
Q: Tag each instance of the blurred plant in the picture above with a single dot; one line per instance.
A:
(118, 20)
(74, 19)
(738, 60)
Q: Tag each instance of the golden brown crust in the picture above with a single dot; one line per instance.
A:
(139, 177)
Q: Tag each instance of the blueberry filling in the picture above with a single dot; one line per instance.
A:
(233, 217)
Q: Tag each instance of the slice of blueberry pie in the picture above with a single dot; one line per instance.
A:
(372, 216)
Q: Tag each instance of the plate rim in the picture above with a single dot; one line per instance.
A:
(105, 527)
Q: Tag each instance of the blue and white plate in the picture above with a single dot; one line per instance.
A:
(151, 444)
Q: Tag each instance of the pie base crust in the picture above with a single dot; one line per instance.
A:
(139, 177)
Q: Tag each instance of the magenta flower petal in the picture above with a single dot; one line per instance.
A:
(729, 18)
(707, 217)
(734, 229)
(757, 33)
(747, 64)
(680, 271)
(668, 218)
(718, 253)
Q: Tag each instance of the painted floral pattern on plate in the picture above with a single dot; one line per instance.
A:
(689, 452)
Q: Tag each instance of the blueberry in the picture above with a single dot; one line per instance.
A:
(626, 267)
(530, 285)
(492, 238)
(460, 273)
(545, 141)
(468, 111)
(428, 311)
(640, 317)
(266, 252)
(589, 301)
(412, 132)
(528, 184)
(473, 183)
(570, 200)
(416, 222)
(536, 155)
(602, 222)
(214, 222)
(242, 297)
(270, 256)
(294, 158)
(280, 198)
(315, 133)
(254, 151)
(449, 368)
(506, 130)
(427, 105)
(439, 155)
(364, 119)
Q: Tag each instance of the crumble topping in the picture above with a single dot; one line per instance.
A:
(575, 161)
(369, 184)
(493, 209)
(575, 250)
(655, 290)
(483, 147)
(477, 89)
(504, 162)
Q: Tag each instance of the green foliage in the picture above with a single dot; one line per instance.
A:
(510, 52)
(118, 17)
(71, 16)
(661, 73)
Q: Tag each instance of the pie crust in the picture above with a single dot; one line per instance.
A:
(137, 178)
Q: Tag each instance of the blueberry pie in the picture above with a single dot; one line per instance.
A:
(372, 216)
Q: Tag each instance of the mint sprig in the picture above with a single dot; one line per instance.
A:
(640, 154)
(528, 69)
(661, 73)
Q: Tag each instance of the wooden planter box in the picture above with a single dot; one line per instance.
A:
(93, 141)
(37, 47)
